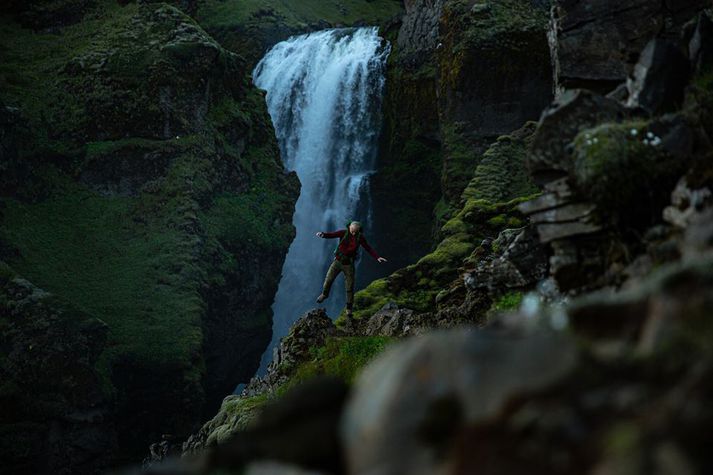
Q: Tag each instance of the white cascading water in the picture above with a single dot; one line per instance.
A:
(324, 93)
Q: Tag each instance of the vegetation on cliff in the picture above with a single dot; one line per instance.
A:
(142, 185)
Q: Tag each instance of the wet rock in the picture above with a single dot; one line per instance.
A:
(418, 35)
(410, 403)
(659, 78)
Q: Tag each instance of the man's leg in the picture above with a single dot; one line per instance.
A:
(332, 273)
(349, 284)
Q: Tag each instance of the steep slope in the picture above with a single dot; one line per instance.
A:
(142, 185)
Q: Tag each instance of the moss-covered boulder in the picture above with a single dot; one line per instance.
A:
(501, 174)
(626, 171)
(149, 194)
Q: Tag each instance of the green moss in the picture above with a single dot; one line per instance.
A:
(620, 164)
(509, 301)
(246, 410)
(29, 66)
(501, 174)
(137, 279)
(253, 218)
(459, 162)
(416, 286)
(341, 357)
(488, 23)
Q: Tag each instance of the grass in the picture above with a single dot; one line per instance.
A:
(341, 357)
(509, 301)
(30, 62)
(136, 278)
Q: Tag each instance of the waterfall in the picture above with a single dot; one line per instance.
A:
(324, 93)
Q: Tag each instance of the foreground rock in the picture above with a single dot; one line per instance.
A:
(424, 395)
(239, 412)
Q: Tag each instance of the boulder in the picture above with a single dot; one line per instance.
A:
(390, 320)
(520, 261)
(627, 170)
(571, 113)
(301, 429)
(310, 330)
(410, 403)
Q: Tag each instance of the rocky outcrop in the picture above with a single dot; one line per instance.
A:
(238, 412)
(611, 164)
(459, 76)
(57, 416)
(493, 77)
(418, 35)
(596, 44)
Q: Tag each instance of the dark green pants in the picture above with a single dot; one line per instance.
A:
(332, 273)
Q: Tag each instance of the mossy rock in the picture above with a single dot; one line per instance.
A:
(501, 174)
(625, 171)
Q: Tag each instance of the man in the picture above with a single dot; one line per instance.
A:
(350, 240)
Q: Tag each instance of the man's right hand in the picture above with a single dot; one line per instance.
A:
(320, 234)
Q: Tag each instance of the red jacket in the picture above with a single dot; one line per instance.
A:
(349, 246)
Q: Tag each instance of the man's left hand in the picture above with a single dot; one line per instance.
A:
(381, 259)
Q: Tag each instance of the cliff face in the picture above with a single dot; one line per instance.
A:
(57, 416)
(251, 28)
(597, 43)
(142, 185)
(460, 75)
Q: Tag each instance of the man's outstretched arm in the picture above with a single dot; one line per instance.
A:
(334, 234)
(370, 250)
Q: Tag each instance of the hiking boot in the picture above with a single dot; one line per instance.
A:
(321, 298)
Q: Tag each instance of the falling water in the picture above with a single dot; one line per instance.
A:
(324, 95)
